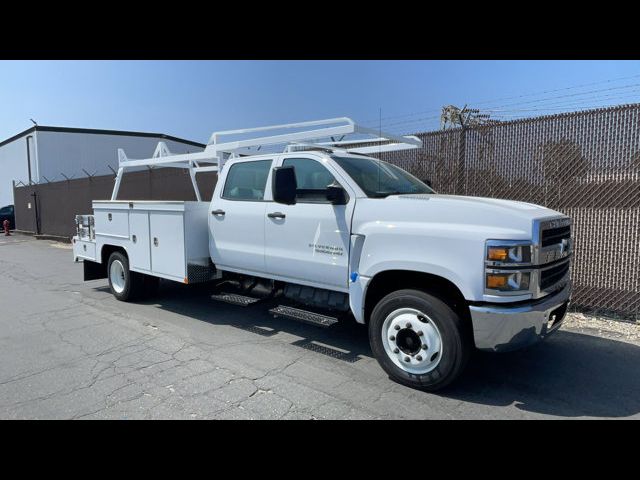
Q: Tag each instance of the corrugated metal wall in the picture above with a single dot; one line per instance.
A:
(13, 165)
(69, 153)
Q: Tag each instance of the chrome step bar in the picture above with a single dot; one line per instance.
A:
(304, 316)
(235, 299)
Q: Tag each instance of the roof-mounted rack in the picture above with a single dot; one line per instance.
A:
(216, 153)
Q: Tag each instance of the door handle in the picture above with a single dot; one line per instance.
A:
(276, 215)
(217, 212)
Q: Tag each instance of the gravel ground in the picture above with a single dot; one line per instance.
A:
(606, 327)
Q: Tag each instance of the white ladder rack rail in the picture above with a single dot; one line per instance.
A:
(162, 157)
(216, 152)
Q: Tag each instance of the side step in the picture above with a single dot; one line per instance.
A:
(305, 316)
(235, 299)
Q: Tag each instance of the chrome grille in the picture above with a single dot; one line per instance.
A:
(552, 275)
(553, 253)
(554, 240)
(553, 236)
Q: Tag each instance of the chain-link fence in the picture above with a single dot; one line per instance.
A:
(583, 164)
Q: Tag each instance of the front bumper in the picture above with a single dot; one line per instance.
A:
(500, 328)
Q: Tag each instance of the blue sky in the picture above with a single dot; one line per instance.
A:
(191, 99)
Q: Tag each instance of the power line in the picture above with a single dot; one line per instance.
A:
(567, 96)
(545, 104)
(407, 130)
(561, 111)
(484, 102)
(569, 103)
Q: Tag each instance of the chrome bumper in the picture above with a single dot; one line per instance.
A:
(499, 328)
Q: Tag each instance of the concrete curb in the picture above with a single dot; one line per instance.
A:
(55, 238)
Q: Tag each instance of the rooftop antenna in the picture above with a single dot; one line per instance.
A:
(34, 122)
(380, 144)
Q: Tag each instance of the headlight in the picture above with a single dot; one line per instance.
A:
(508, 268)
(508, 282)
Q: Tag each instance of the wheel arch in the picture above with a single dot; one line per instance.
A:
(389, 281)
(94, 270)
(108, 249)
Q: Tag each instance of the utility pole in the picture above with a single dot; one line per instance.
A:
(462, 149)
(453, 116)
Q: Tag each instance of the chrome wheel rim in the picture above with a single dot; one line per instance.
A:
(412, 341)
(116, 275)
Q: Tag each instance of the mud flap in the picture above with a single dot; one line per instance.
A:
(93, 270)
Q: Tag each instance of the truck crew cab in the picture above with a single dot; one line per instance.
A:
(327, 230)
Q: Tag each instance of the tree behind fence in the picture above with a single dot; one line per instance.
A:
(584, 164)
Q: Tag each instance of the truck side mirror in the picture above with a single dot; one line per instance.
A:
(284, 185)
(336, 194)
(427, 181)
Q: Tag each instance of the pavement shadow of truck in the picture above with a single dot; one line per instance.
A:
(346, 341)
(570, 375)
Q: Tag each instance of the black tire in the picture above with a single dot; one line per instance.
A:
(132, 280)
(456, 345)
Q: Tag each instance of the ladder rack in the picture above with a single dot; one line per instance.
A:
(216, 153)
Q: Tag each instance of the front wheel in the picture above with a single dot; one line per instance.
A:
(418, 339)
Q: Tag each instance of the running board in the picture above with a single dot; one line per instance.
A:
(235, 299)
(304, 316)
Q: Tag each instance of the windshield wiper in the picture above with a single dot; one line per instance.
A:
(386, 194)
(396, 192)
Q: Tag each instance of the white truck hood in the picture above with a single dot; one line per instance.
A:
(477, 216)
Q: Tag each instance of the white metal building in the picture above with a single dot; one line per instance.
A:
(44, 153)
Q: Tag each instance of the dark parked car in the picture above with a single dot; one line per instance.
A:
(7, 213)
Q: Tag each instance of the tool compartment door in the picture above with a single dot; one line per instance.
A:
(167, 244)
(112, 222)
(140, 247)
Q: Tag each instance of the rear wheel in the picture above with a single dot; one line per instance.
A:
(418, 339)
(125, 285)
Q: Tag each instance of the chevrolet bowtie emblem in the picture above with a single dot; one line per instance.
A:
(564, 246)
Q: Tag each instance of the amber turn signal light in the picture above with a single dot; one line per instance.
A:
(497, 281)
(498, 254)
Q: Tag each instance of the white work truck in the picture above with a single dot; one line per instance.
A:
(321, 231)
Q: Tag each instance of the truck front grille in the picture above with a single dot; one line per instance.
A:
(553, 236)
(551, 276)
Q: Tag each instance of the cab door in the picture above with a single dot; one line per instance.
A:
(308, 242)
(237, 215)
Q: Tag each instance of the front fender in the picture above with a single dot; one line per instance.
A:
(457, 258)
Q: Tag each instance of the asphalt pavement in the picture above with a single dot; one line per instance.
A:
(69, 350)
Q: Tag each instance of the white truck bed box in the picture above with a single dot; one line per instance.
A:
(167, 239)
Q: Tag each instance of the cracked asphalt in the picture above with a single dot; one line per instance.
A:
(69, 350)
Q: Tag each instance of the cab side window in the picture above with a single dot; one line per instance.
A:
(312, 178)
(247, 181)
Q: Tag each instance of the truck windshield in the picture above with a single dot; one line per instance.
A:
(379, 179)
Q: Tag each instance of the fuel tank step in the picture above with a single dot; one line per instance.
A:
(304, 316)
(235, 299)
